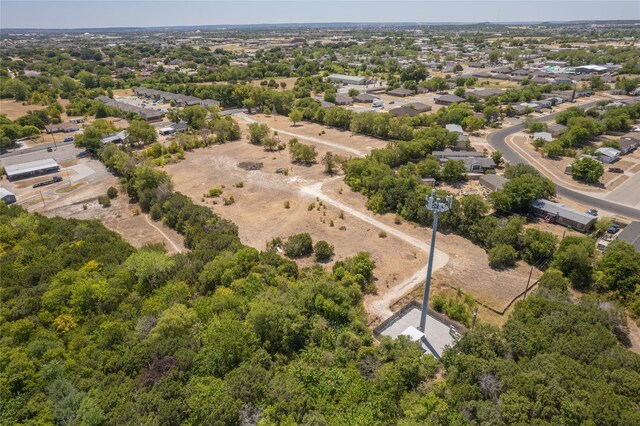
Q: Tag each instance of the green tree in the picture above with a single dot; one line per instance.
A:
(91, 137)
(587, 170)
(502, 256)
(258, 132)
(453, 171)
(539, 247)
(141, 132)
(618, 271)
(574, 258)
(322, 251)
(295, 116)
(298, 245)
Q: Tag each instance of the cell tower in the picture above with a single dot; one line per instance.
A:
(437, 206)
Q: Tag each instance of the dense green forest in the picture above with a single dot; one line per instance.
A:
(95, 332)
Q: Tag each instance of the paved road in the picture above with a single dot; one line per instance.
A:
(64, 152)
(43, 147)
(498, 141)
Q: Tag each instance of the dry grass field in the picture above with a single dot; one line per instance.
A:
(14, 110)
(260, 213)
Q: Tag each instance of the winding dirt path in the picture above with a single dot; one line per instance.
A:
(381, 306)
(166, 237)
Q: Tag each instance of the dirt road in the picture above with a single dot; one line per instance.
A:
(381, 306)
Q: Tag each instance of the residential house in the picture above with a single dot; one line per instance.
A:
(476, 164)
(629, 142)
(419, 106)
(556, 129)
(365, 98)
(631, 234)
(400, 91)
(607, 155)
(448, 99)
(404, 111)
(343, 100)
(455, 155)
(62, 127)
(546, 136)
(563, 215)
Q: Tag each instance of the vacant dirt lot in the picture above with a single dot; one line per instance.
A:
(14, 110)
(260, 213)
(125, 219)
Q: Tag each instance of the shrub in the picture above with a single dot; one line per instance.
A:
(287, 205)
(104, 201)
(322, 250)
(215, 192)
(228, 201)
(438, 303)
(239, 184)
(502, 256)
(382, 234)
(298, 245)
(112, 192)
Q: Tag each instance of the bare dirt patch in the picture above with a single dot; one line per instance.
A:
(125, 219)
(13, 109)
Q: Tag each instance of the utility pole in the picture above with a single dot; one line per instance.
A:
(437, 206)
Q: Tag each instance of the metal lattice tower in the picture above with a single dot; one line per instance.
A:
(437, 206)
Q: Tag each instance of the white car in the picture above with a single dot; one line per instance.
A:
(635, 129)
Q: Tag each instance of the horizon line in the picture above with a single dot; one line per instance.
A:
(285, 24)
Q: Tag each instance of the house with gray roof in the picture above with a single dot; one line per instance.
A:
(448, 99)
(563, 215)
(631, 234)
(400, 91)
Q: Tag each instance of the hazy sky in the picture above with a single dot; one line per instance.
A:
(101, 13)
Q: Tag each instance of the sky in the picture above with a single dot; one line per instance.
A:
(161, 13)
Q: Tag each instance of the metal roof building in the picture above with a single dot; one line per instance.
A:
(348, 79)
(563, 215)
(31, 169)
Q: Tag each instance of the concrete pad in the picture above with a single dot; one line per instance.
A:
(437, 335)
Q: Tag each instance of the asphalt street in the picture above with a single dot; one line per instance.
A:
(498, 141)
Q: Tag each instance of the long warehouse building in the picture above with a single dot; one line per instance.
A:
(31, 169)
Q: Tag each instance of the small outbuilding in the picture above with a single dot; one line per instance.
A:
(7, 196)
(493, 182)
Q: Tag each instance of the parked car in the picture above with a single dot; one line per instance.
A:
(616, 170)
(69, 139)
(592, 212)
(49, 149)
(613, 229)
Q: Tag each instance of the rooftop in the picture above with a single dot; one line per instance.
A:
(631, 234)
(564, 211)
(31, 166)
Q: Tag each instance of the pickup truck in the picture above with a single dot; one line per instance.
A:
(54, 179)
